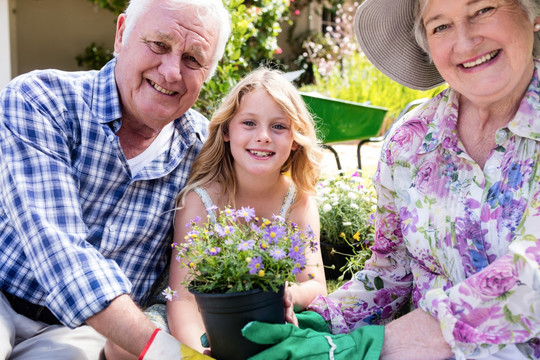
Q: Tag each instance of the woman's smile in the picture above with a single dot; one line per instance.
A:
(481, 60)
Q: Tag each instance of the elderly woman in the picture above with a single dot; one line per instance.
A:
(458, 220)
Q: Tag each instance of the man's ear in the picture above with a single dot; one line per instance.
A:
(119, 37)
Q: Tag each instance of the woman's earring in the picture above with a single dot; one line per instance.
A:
(536, 27)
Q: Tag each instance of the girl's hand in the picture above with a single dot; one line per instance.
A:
(290, 316)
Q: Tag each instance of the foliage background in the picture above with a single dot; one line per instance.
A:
(333, 61)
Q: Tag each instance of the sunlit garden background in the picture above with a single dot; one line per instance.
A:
(332, 65)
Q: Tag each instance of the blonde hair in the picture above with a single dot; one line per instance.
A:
(215, 161)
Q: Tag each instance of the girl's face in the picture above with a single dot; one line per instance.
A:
(260, 135)
(482, 48)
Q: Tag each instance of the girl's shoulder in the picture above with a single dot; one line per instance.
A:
(304, 210)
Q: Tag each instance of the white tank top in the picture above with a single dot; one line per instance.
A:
(283, 212)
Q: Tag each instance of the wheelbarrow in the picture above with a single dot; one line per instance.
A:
(341, 121)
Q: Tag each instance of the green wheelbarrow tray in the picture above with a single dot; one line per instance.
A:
(341, 121)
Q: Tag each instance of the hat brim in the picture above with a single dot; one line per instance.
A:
(384, 31)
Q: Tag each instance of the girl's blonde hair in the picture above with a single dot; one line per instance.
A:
(215, 161)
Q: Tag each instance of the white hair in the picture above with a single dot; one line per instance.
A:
(212, 11)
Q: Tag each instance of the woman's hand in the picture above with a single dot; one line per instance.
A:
(290, 316)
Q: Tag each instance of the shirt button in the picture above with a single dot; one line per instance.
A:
(111, 138)
(112, 228)
(491, 170)
(501, 136)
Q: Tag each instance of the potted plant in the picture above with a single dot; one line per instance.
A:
(347, 202)
(237, 270)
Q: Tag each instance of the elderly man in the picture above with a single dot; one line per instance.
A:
(91, 165)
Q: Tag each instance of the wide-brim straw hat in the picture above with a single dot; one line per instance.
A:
(385, 32)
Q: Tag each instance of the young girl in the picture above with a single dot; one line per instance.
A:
(261, 131)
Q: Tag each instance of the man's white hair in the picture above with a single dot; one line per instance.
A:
(211, 11)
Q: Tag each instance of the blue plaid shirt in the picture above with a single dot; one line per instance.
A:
(76, 228)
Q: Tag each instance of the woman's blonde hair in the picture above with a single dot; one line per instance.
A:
(215, 161)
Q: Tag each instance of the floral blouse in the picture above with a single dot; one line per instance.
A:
(459, 241)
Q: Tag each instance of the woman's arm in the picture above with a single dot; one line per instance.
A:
(185, 322)
(496, 306)
(375, 294)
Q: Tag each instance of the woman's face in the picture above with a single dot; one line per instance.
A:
(482, 48)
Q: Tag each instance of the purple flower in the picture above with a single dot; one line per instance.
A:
(274, 233)
(223, 231)
(299, 265)
(213, 251)
(247, 213)
(255, 265)
(278, 253)
(245, 245)
(194, 221)
(296, 251)
(499, 279)
(211, 209)
(408, 220)
(254, 227)
(230, 214)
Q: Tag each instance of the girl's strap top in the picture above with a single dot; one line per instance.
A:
(211, 208)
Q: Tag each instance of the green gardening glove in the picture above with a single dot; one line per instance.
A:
(294, 343)
(312, 320)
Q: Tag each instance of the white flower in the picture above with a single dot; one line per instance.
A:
(347, 223)
(351, 195)
(327, 207)
(354, 206)
(325, 191)
(169, 293)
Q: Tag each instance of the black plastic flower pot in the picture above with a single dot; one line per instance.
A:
(224, 316)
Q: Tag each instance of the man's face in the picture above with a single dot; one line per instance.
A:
(163, 64)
